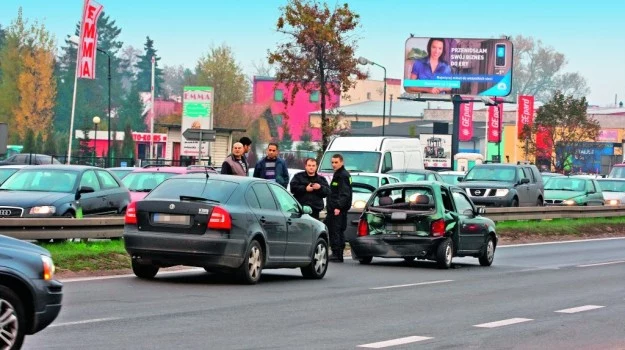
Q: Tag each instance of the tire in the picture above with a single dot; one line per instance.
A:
(445, 253)
(365, 260)
(488, 253)
(409, 258)
(251, 269)
(144, 271)
(539, 202)
(514, 203)
(319, 263)
(12, 320)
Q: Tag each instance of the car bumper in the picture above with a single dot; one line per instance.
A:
(394, 246)
(492, 201)
(49, 297)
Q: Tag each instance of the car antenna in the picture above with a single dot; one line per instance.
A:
(206, 180)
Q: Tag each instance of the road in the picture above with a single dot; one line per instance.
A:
(547, 296)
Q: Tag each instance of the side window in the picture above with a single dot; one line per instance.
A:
(590, 186)
(89, 179)
(529, 174)
(251, 199)
(285, 201)
(384, 181)
(264, 197)
(446, 199)
(107, 180)
(388, 162)
(520, 174)
(278, 95)
(462, 202)
(393, 180)
(20, 158)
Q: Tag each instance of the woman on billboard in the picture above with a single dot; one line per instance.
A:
(428, 67)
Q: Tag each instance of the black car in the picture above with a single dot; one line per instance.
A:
(30, 297)
(412, 175)
(29, 159)
(225, 224)
(424, 220)
(62, 190)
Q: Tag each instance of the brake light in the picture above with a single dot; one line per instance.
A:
(363, 228)
(220, 219)
(131, 214)
(438, 228)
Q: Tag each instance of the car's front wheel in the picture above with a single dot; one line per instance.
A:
(488, 253)
(12, 320)
(319, 263)
(444, 254)
(144, 271)
(252, 266)
(365, 260)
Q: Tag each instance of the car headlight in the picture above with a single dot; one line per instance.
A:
(501, 192)
(46, 209)
(613, 202)
(48, 267)
(359, 204)
(569, 202)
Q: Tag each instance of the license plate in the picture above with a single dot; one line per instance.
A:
(401, 227)
(171, 219)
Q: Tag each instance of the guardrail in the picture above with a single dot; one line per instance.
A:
(113, 226)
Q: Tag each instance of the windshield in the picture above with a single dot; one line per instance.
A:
(450, 179)
(408, 177)
(612, 185)
(42, 181)
(145, 181)
(365, 162)
(369, 180)
(213, 190)
(5, 173)
(121, 173)
(558, 183)
(486, 173)
(618, 172)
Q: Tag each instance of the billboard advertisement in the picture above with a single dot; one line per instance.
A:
(466, 122)
(197, 106)
(436, 150)
(458, 66)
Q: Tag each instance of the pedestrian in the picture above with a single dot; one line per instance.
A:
(247, 145)
(310, 188)
(272, 167)
(338, 203)
(234, 163)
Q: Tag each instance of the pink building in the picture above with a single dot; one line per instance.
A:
(267, 91)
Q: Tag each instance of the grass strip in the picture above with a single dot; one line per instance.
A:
(89, 256)
(585, 226)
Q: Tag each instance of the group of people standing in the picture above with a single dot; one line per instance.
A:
(308, 187)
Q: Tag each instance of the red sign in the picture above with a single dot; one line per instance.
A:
(466, 121)
(525, 113)
(145, 137)
(85, 67)
(494, 123)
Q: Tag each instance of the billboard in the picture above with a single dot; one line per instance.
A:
(458, 66)
(436, 150)
(197, 106)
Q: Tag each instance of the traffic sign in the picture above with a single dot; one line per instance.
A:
(206, 135)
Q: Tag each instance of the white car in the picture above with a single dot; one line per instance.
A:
(613, 191)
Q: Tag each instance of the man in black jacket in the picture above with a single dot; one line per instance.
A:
(310, 188)
(339, 202)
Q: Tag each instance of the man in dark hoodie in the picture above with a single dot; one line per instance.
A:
(310, 188)
(339, 202)
(234, 164)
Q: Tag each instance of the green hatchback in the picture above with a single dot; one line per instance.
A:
(573, 190)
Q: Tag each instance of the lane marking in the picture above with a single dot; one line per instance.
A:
(503, 322)
(412, 284)
(559, 242)
(603, 263)
(100, 278)
(84, 321)
(394, 342)
(580, 309)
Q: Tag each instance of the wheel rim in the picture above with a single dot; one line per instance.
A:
(490, 250)
(253, 263)
(321, 258)
(8, 325)
(448, 254)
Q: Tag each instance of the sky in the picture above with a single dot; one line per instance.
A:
(590, 35)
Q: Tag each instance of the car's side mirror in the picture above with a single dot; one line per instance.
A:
(83, 189)
(469, 213)
(525, 181)
(460, 178)
(307, 210)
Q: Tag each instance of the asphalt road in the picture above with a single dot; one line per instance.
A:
(553, 296)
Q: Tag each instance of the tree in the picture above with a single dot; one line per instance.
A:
(144, 69)
(39, 143)
(131, 111)
(286, 142)
(306, 138)
(320, 53)
(128, 144)
(174, 78)
(562, 122)
(128, 66)
(538, 71)
(29, 142)
(10, 68)
(49, 147)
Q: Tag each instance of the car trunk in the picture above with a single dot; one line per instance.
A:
(399, 222)
(173, 217)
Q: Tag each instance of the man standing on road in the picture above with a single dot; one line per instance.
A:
(310, 188)
(339, 202)
(234, 163)
(272, 167)
(247, 145)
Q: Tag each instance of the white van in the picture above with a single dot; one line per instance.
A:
(374, 154)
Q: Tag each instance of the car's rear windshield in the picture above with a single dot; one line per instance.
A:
(210, 189)
(145, 180)
(417, 198)
(491, 173)
(612, 185)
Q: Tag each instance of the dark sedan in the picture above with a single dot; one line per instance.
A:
(412, 175)
(62, 190)
(424, 220)
(224, 224)
(7, 170)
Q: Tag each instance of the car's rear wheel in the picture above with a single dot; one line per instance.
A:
(319, 263)
(539, 202)
(445, 253)
(12, 320)
(488, 253)
(365, 260)
(409, 258)
(145, 271)
(252, 266)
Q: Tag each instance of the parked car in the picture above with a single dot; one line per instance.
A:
(7, 170)
(451, 177)
(62, 190)
(30, 297)
(617, 172)
(143, 180)
(411, 175)
(292, 172)
(573, 190)
(504, 185)
(224, 223)
(424, 220)
(121, 171)
(546, 176)
(361, 194)
(29, 159)
(613, 191)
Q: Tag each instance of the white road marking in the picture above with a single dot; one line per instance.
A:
(603, 263)
(580, 309)
(503, 322)
(394, 342)
(559, 242)
(412, 284)
(85, 321)
(100, 278)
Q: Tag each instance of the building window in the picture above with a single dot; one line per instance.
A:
(368, 95)
(278, 119)
(360, 125)
(314, 96)
(278, 95)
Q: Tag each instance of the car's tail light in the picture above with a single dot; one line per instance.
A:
(131, 214)
(438, 228)
(363, 228)
(220, 219)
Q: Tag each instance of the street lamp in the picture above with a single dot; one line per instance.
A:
(365, 61)
(96, 122)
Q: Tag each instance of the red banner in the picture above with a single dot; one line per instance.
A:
(85, 66)
(525, 113)
(466, 121)
(494, 123)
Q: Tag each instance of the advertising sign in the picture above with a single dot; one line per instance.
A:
(466, 121)
(197, 105)
(88, 39)
(525, 113)
(436, 150)
(494, 123)
(458, 66)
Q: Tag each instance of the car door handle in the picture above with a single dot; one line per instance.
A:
(262, 220)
